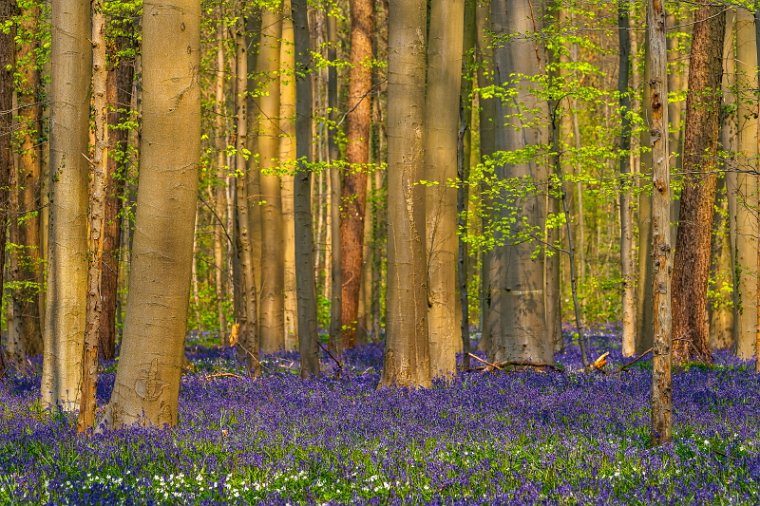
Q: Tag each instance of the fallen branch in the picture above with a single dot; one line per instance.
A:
(500, 366)
(492, 366)
(629, 364)
(337, 362)
(209, 377)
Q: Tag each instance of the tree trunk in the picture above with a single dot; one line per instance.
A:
(7, 70)
(520, 328)
(626, 207)
(444, 75)
(287, 161)
(308, 337)
(97, 208)
(147, 380)
(67, 256)
(219, 187)
(661, 251)
(746, 185)
(272, 316)
(354, 182)
(248, 334)
(29, 269)
(692, 258)
(407, 359)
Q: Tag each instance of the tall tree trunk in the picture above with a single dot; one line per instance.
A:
(67, 255)
(147, 380)
(444, 74)
(746, 185)
(692, 258)
(662, 405)
(219, 187)
(520, 326)
(354, 182)
(407, 358)
(97, 208)
(308, 337)
(7, 69)
(272, 316)
(626, 192)
(248, 337)
(27, 93)
(287, 160)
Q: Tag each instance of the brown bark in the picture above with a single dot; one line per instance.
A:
(692, 259)
(662, 405)
(354, 184)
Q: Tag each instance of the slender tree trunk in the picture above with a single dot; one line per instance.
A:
(219, 188)
(147, 380)
(407, 358)
(746, 185)
(97, 209)
(248, 337)
(7, 69)
(444, 72)
(67, 256)
(287, 160)
(662, 405)
(626, 207)
(521, 329)
(692, 258)
(29, 270)
(308, 337)
(757, 52)
(354, 182)
(272, 316)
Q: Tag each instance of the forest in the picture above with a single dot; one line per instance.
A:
(379, 252)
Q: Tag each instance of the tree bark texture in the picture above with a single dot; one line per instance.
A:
(444, 77)
(518, 316)
(67, 254)
(407, 359)
(700, 165)
(662, 395)
(7, 166)
(146, 391)
(306, 289)
(353, 193)
(272, 302)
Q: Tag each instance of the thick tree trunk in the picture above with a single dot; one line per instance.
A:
(97, 208)
(67, 255)
(700, 164)
(407, 359)
(444, 73)
(272, 305)
(746, 185)
(662, 405)
(520, 329)
(147, 381)
(354, 182)
(308, 337)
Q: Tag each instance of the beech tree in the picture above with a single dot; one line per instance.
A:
(65, 309)
(146, 391)
(407, 359)
(7, 68)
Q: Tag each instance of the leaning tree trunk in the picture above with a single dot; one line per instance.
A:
(67, 242)
(407, 359)
(308, 337)
(691, 266)
(444, 76)
(519, 317)
(662, 405)
(353, 191)
(147, 380)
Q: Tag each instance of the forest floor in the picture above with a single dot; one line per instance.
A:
(560, 437)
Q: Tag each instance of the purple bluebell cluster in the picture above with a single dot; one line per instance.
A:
(559, 437)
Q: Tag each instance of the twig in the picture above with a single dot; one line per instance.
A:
(629, 364)
(489, 364)
(209, 377)
(337, 362)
